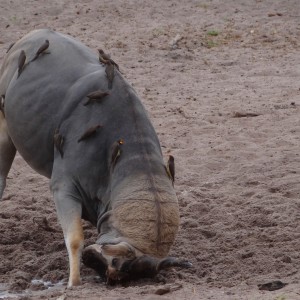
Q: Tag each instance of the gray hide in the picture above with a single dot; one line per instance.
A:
(132, 202)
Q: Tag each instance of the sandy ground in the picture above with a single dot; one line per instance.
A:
(221, 83)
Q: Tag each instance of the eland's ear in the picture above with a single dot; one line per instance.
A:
(170, 262)
(92, 258)
(122, 249)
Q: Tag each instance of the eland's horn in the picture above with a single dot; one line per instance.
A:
(142, 267)
(170, 262)
(147, 266)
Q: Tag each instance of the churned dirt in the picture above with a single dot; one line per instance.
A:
(221, 82)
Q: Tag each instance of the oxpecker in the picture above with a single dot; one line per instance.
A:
(116, 151)
(171, 168)
(96, 96)
(42, 49)
(21, 62)
(91, 131)
(110, 73)
(58, 142)
(104, 58)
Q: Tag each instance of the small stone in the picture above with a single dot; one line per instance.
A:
(287, 259)
(162, 291)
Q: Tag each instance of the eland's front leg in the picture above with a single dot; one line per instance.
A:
(69, 214)
(7, 153)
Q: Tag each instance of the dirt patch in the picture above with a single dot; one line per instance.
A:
(220, 80)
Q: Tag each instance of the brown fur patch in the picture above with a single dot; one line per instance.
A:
(74, 241)
(137, 220)
(122, 249)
